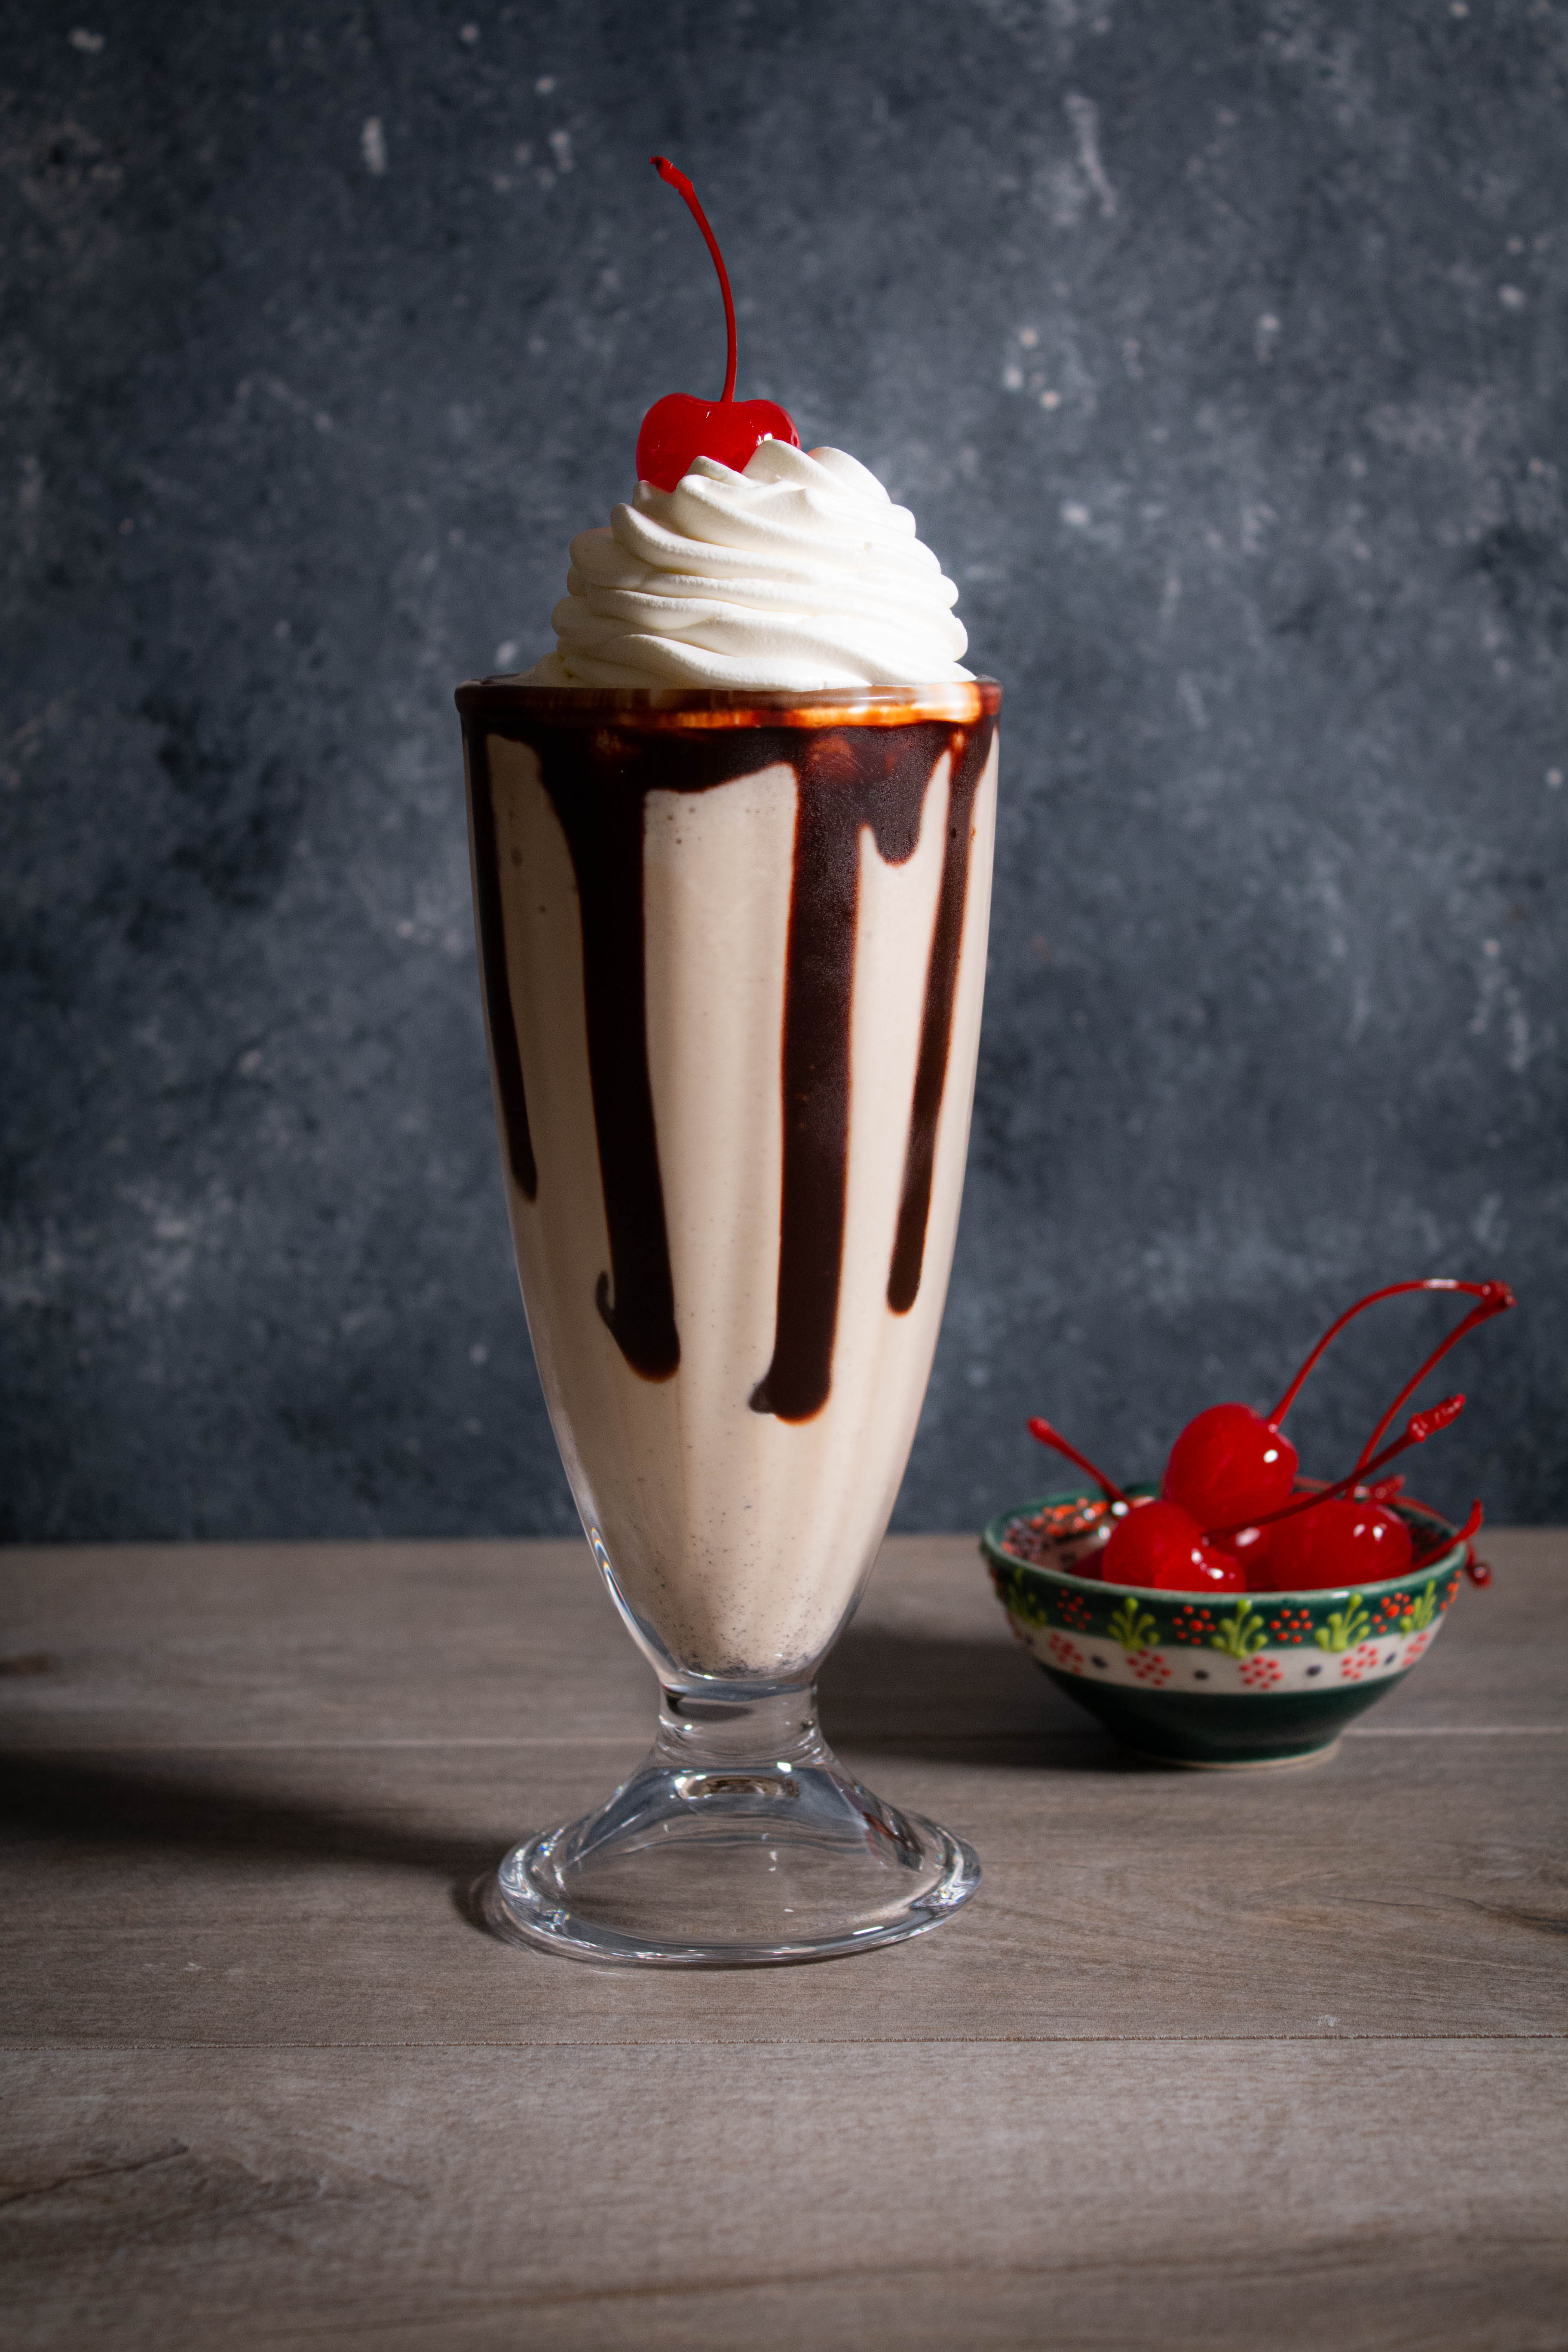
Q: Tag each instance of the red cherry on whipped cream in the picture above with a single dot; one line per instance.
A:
(679, 429)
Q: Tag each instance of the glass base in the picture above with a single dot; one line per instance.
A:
(741, 1842)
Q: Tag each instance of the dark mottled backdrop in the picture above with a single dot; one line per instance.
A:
(1219, 349)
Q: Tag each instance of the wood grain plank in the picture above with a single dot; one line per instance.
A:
(1122, 2194)
(202, 1643)
(205, 1643)
(311, 1894)
(246, 1803)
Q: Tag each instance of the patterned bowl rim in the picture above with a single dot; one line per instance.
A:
(990, 1544)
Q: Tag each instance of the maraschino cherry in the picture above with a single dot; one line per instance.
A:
(1230, 1516)
(1343, 1541)
(1340, 1534)
(679, 429)
(1231, 1464)
(1151, 1543)
(1160, 1544)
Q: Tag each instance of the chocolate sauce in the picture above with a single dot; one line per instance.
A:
(505, 1059)
(598, 777)
(874, 777)
(969, 757)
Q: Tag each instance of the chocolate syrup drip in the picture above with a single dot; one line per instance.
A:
(970, 751)
(598, 779)
(505, 1058)
(603, 831)
(846, 783)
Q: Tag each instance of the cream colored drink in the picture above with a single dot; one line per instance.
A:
(734, 948)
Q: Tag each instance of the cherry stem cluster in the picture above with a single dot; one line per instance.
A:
(1492, 1298)
(1417, 1430)
(683, 188)
(1495, 1295)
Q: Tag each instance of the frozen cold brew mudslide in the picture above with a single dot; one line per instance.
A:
(731, 847)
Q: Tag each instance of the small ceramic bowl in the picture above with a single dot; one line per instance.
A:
(1219, 1682)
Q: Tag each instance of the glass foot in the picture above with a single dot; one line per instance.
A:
(711, 1858)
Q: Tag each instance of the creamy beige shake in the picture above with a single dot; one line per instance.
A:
(733, 940)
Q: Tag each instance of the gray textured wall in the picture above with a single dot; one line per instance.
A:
(1220, 352)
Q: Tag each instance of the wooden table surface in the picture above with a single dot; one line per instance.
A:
(1212, 2061)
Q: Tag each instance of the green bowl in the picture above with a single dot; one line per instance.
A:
(1218, 1682)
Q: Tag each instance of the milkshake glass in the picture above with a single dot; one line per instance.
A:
(732, 949)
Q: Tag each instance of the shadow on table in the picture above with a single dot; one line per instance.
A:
(900, 1693)
(100, 1804)
(883, 1693)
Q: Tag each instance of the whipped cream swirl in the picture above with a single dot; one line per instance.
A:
(799, 572)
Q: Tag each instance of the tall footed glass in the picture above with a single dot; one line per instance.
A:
(732, 948)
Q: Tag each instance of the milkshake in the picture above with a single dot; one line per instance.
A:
(731, 850)
(733, 949)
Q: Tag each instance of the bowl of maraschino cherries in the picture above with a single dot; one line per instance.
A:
(1239, 1614)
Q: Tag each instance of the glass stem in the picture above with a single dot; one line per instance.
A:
(773, 1732)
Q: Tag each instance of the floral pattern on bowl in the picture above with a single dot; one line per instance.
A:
(1211, 1681)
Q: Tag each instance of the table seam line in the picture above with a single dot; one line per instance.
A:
(741, 2042)
(629, 1740)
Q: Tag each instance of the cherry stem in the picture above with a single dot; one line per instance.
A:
(683, 187)
(1472, 1527)
(1417, 1430)
(1058, 1444)
(1495, 1299)
(1394, 1290)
